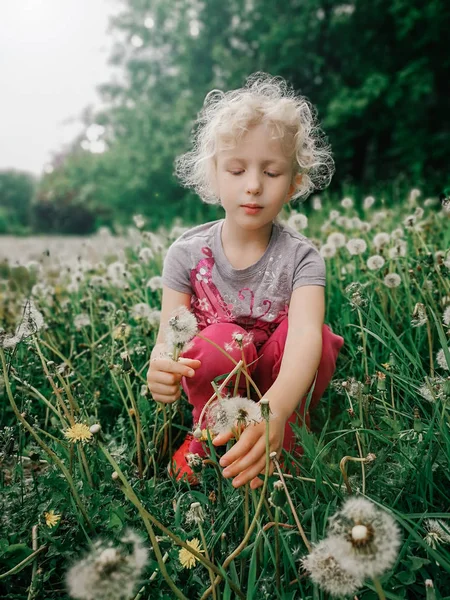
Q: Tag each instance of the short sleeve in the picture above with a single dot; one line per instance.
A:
(310, 267)
(176, 273)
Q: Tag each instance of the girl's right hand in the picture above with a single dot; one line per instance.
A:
(164, 376)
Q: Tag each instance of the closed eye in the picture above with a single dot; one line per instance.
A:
(266, 172)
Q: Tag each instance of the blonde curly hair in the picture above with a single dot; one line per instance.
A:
(227, 116)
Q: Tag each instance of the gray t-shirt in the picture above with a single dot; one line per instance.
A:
(257, 297)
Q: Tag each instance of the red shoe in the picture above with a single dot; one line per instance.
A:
(181, 468)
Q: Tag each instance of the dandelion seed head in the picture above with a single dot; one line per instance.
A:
(381, 239)
(392, 280)
(446, 316)
(373, 545)
(327, 251)
(336, 239)
(181, 328)
(316, 203)
(298, 221)
(419, 315)
(397, 233)
(226, 414)
(107, 572)
(334, 214)
(375, 262)
(441, 360)
(326, 571)
(368, 202)
(438, 532)
(356, 246)
(154, 283)
(81, 320)
(146, 255)
(346, 203)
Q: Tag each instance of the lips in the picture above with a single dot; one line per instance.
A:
(252, 205)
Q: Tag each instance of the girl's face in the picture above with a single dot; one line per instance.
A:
(254, 179)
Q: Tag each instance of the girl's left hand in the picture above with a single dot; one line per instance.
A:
(247, 458)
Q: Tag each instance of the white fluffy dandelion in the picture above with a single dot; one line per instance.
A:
(227, 414)
(438, 532)
(372, 535)
(316, 203)
(327, 251)
(397, 233)
(81, 320)
(108, 572)
(399, 250)
(298, 221)
(346, 203)
(446, 316)
(154, 283)
(356, 246)
(181, 328)
(392, 280)
(140, 311)
(334, 214)
(146, 255)
(368, 202)
(325, 569)
(381, 239)
(336, 239)
(375, 262)
(441, 360)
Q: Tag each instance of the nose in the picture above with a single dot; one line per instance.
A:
(253, 185)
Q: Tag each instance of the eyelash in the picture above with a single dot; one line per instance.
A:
(272, 175)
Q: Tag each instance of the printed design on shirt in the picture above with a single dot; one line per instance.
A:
(275, 276)
(210, 307)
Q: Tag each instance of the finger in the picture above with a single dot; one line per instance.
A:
(222, 438)
(193, 363)
(170, 366)
(249, 473)
(165, 378)
(164, 390)
(165, 399)
(256, 483)
(250, 458)
(244, 445)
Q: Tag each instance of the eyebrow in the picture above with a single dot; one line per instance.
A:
(264, 163)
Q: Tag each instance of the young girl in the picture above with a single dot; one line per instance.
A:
(255, 149)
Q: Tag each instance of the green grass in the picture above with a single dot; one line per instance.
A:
(375, 405)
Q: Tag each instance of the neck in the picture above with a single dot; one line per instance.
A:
(233, 236)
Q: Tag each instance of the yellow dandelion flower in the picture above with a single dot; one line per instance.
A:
(51, 519)
(187, 559)
(387, 366)
(78, 433)
(204, 437)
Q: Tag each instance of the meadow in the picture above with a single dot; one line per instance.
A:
(87, 507)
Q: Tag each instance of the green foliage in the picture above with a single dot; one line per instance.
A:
(376, 71)
(16, 193)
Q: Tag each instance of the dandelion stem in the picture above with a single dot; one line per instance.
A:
(138, 425)
(379, 589)
(363, 338)
(211, 573)
(430, 347)
(291, 504)
(277, 547)
(34, 542)
(42, 444)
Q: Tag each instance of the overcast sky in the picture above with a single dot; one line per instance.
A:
(53, 54)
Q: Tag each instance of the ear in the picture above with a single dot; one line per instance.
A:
(296, 181)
